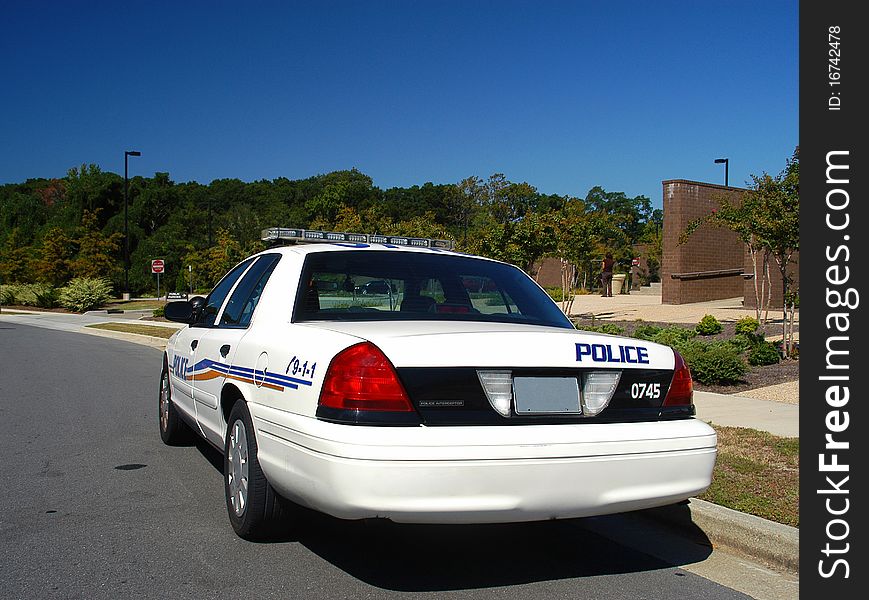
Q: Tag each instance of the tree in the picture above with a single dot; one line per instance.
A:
(577, 234)
(211, 264)
(464, 202)
(15, 259)
(767, 221)
(54, 264)
(776, 202)
(522, 243)
(97, 252)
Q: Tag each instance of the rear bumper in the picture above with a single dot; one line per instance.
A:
(483, 474)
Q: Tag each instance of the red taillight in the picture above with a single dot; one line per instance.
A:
(681, 391)
(362, 378)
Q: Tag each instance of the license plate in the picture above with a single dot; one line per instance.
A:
(546, 395)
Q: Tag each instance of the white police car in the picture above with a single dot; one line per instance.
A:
(461, 394)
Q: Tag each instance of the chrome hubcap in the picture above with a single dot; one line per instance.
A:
(164, 402)
(237, 470)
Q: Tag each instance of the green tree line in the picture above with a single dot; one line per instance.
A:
(52, 230)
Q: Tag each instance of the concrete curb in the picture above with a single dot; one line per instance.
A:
(766, 541)
(136, 338)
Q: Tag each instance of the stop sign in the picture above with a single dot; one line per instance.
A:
(157, 265)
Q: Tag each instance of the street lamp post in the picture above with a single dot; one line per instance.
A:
(726, 162)
(127, 154)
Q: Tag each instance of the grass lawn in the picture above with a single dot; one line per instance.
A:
(757, 473)
(152, 330)
(134, 304)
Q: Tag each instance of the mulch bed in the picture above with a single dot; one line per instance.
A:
(756, 377)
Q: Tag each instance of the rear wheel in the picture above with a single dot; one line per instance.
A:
(253, 505)
(172, 429)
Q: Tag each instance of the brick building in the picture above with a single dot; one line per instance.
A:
(713, 264)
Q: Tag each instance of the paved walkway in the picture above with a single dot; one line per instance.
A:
(648, 307)
(778, 418)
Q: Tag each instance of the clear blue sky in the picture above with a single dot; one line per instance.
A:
(563, 95)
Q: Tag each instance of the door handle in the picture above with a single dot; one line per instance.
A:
(193, 344)
(224, 350)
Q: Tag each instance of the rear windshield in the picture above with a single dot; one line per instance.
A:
(388, 285)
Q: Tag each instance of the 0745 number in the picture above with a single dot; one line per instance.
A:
(646, 390)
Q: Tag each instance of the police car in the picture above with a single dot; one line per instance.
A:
(461, 394)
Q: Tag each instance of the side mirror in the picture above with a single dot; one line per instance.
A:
(182, 311)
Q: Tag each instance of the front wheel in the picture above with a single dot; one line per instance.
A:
(173, 431)
(253, 505)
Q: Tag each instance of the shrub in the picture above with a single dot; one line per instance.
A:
(675, 337)
(716, 363)
(708, 325)
(764, 353)
(743, 342)
(609, 328)
(84, 293)
(7, 294)
(29, 294)
(555, 293)
(160, 312)
(746, 326)
(646, 332)
(46, 297)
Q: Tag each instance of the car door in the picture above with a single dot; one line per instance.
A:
(186, 363)
(181, 359)
(217, 347)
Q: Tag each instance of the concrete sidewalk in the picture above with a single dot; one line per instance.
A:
(778, 418)
(649, 307)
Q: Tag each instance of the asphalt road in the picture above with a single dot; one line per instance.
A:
(95, 506)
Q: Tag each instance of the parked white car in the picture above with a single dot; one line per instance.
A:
(462, 395)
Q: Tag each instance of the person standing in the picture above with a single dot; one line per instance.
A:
(606, 276)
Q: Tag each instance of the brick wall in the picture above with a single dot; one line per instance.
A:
(708, 248)
(549, 273)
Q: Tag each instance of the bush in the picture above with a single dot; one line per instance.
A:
(675, 337)
(609, 328)
(708, 325)
(7, 295)
(83, 293)
(716, 363)
(160, 312)
(555, 293)
(42, 295)
(746, 326)
(46, 297)
(744, 342)
(646, 332)
(764, 353)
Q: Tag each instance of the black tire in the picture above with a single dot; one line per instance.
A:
(261, 512)
(173, 430)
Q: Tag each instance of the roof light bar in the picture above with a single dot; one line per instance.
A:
(274, 234)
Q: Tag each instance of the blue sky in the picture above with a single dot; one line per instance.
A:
(564, 95)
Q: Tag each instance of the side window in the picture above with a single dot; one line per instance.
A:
(487, 297)
(215, 299)
(239, 309)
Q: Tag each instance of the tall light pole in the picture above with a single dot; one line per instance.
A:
(726, 162)
(127, 154)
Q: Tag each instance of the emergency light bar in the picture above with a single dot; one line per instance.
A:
(275, 234)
